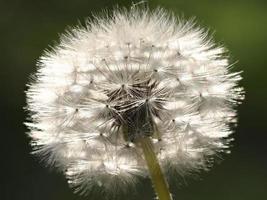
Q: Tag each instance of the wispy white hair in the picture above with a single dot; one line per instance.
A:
(89, 83)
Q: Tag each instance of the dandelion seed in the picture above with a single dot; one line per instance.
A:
(135, 94)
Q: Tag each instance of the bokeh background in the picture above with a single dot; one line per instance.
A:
(27, 27)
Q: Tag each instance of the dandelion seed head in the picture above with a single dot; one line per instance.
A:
(136, 74)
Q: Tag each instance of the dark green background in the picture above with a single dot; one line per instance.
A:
(28, 27)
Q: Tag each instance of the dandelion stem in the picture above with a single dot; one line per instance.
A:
(157, 177)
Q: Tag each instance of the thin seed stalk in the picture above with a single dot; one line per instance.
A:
(157, 177)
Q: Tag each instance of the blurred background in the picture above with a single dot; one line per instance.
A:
(27, 27)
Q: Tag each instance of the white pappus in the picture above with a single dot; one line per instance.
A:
(137, 73)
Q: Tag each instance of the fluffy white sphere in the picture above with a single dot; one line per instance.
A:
(103, 78)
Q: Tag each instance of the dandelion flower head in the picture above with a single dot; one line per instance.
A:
(135, 74)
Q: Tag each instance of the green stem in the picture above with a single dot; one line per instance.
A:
(157, 177)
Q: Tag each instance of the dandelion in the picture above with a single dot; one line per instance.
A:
(139, 93)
